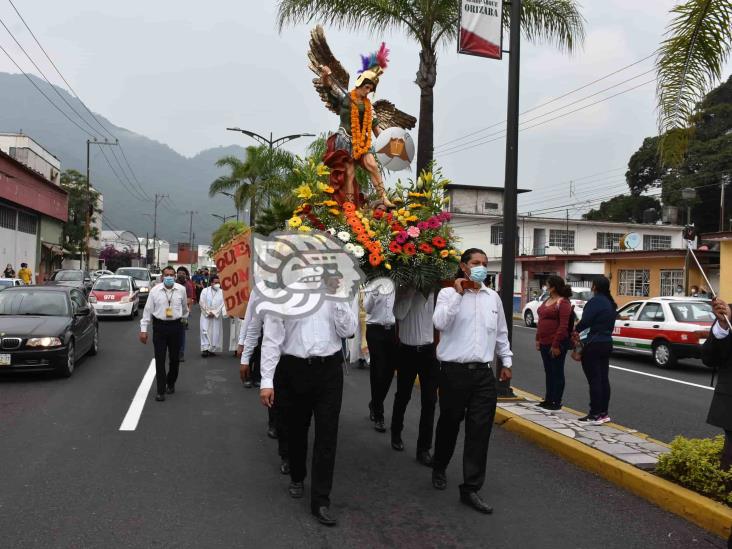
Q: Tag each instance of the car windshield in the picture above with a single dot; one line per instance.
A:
(112, 285)
(692, 312)
(5, 282)
(66, 276)
(584, 295)
(29, 302)
(137, 274)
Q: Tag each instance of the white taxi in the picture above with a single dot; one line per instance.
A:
(115, 295)
(665, 328)
(580, 297)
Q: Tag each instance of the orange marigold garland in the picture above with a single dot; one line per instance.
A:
(360, 135)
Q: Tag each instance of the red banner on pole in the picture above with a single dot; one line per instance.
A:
(481, 28)
(233, 263)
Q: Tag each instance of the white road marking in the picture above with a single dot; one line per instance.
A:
(129, 423)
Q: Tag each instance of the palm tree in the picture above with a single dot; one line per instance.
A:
(264, 173)
(433, 24)
(689, 64)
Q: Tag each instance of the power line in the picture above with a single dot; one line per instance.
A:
(599, 184)
(130, 190)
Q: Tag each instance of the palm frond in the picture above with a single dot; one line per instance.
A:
(689, 63)
(557, 22)
(225, 183)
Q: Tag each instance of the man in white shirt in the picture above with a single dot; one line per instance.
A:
(416, 356)
(306, 353)
(381, 341)
(166, 309)
(212, 313)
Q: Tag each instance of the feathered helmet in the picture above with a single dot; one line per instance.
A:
(372, 67)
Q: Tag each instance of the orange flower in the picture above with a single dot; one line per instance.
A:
(439, 242)
(363, 239)
(361, 135)
(374, 260)
(349, 207)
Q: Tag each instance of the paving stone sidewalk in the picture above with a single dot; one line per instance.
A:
(624, 445)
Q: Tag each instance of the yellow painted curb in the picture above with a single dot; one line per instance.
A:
(702, 511)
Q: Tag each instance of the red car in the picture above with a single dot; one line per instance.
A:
(115, 295)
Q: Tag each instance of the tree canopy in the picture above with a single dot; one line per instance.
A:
(624, 209)
(81, 201)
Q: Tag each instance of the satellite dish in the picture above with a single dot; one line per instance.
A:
(632, 241)
(394, 149)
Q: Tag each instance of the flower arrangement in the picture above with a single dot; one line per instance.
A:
(360, 135)
(413, 244)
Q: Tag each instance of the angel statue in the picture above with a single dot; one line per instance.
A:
(350, 146)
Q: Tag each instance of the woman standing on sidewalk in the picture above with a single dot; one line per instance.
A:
(552, 339)
(596, 335)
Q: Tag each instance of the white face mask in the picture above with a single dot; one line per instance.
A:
(216, 286)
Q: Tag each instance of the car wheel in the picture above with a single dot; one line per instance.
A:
(663, 356)
(68, 368)
(529, 319)
(95, 342)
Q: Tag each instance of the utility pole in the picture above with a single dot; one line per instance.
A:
(158, 199)
(190, 238)
(508, 260)
(89, 206)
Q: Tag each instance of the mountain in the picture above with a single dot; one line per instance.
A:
(159, 169)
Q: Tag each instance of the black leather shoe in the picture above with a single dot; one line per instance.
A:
(397, 444)
(272, 432)
(160, 397)
(257, 384)
(248, 384)
(379, 426)
(324, 517)
(473, 500)
(204, 354)
(439, 479)
(170, 390)
(424, 457)
(296, 489)
(285, 467)
(372, 416)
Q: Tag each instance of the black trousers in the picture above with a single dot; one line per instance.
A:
(312, 389)
(276, 418)
(255, 371)
(414, 361)
(553, 373)
(470, 395)
(596, 366)
(166, 339)
(382, 353)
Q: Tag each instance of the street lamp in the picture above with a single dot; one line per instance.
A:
(223, 218)
(271, 143)
(231, 195)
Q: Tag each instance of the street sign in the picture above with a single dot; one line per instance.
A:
(481, 28)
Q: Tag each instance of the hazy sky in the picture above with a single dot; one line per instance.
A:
(181, 71)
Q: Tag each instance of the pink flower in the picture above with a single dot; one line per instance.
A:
(401, 238)
(413, 232)
(447, 215)
(433, 223)
(422, 226)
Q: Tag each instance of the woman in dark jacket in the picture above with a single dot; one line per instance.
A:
(552, 339)
(596, 335)
(717, 352)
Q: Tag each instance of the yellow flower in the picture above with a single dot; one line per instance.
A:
(453, 252)
(322, 170)
(304, 229)
(414, 206)
(412, 218)
(359, 215)
(387, 266)
(444, 253)
(371, 234)
(329, 190)
(304, 191)
(330, 203)
(402, 211)
(415, 195)
(335, 211)
(298, 210)
(294, 222)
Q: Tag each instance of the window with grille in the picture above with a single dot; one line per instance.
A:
(656, 242)
(490, 205)
(561, 239)
(634, 282)
(497, 234)
(7, 217)
(670, 280)
(27, 223)
(608, 241)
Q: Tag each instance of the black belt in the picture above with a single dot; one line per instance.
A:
(166, 321)
(317, 359)
(417, 348)
(468, 365)
(382, 326)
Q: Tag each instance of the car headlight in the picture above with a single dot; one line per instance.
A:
(92, 299)
(144, 289)
(44, 342)
(125, 299)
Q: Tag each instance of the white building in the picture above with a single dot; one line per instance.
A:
(204, 260)
(29, 153)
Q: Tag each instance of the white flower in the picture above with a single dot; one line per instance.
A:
(332, 231)
(358, 251)
(350, 248)
(344, 236)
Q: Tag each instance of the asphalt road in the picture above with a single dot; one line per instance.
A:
(662, 408)
(198, 471)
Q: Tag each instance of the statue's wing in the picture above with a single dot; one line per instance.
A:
(389, 116)
(320, 54)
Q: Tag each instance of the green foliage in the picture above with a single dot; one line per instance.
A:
(690, 61)
(225, 233)
(81, 201)
(114, 259)
(624, 208)
(694, 463)
(274, 218)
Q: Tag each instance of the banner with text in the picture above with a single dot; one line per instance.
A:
(233, 263)
(481, 29)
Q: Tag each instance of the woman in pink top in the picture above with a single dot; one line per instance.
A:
(552, 339)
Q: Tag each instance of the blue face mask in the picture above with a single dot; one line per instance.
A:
(479, 273)
(168, 281)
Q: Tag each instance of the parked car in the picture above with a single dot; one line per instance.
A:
(72, 278)
(115, 295)
(143, 280)
(665, 328)
(580, 296)
(46, 328)
(100, 272)
(10, 282)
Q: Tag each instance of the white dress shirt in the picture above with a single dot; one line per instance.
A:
(317, 335)
(159, 299)
(251, 329)
(472, 327)
(718, 332)
(379, 308)
(414, 313)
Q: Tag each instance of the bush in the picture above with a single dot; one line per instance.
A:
(694, 463)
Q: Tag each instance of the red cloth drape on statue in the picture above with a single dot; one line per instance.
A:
(337, 160)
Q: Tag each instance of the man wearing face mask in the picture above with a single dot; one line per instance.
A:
(212, 313)
(166, 309)
(184, 280)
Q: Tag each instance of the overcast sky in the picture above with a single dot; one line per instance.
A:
(181, 71)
